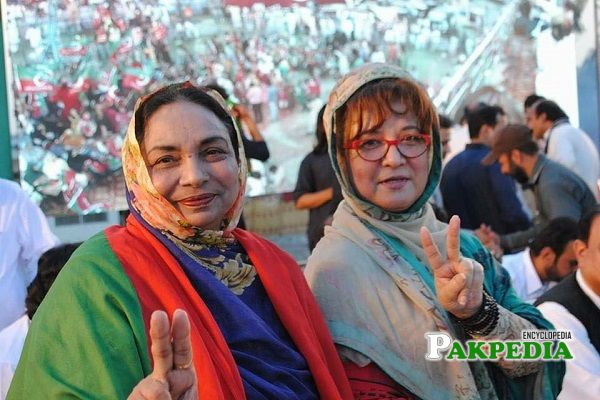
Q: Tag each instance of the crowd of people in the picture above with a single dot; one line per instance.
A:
(530, 194)
(180, 302)
(79, 65)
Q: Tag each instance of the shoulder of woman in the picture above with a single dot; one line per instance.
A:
(93, 269)
(90, 306)
(335, 254)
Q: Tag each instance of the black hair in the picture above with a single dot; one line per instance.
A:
(585, 223)
(469, 108)
(445, 122)
(49, 265)
(556, 235)
(485, 115)
(321, 146)
(182, 92)
(530, 148)
(532, 99)
(551, 109)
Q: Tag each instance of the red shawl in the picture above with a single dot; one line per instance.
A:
(161, 284)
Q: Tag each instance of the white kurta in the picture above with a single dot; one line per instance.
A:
(24, 236)
(524, 277)
(582, 379)
(574, 149)
(12, 339)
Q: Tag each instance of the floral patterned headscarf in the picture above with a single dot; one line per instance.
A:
(156, 210)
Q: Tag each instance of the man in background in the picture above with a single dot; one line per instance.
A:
(528, 104)
(564, 143)
(436, 200)
(558, 192)
(481, 194)
(574, 305)
(12, 337)
(548, 259)
(446, 125)
(24, 236)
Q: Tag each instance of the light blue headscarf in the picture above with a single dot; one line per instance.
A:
(375, 257)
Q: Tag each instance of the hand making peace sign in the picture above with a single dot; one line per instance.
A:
(458, 280)
(173, 376)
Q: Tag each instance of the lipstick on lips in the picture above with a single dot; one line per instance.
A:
(201, 200)
(396, 182)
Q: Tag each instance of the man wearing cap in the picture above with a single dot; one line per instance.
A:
(564, 143)
(558, 192)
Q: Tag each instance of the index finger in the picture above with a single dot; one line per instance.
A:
(162, 350)
(453, 239)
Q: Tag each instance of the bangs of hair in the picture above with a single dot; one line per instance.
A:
(371, 105)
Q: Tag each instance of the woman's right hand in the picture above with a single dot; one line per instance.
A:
(458, 280)
(174, 376)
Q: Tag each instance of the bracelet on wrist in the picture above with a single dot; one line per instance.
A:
(484, 320)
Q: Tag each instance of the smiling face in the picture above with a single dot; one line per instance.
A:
(538, 124)
(395, 182)
(191, 162)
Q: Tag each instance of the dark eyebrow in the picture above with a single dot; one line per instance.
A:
(207, 141)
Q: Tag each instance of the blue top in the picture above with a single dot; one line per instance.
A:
(270, 365)
(481, 194)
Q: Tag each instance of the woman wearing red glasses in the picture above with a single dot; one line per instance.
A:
(387, 272)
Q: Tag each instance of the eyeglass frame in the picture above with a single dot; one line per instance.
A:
(357, 142)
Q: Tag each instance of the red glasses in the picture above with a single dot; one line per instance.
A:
(410, 146)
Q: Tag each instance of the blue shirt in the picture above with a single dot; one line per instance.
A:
(481, 194)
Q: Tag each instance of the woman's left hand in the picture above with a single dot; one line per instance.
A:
(458, 280)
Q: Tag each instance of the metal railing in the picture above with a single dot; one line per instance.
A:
(471, 75)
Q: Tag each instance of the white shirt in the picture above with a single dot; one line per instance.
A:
(582, 379)
(34, 35)
(574, 149)
(24, 236)
(525, 279)
(254, 95)
(12, 339)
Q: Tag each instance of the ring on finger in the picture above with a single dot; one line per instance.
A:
(186, 366)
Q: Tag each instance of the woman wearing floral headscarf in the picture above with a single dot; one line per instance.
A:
(386, 272)
(251, 328)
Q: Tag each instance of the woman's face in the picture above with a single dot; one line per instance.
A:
(191, 162)
(395, 182)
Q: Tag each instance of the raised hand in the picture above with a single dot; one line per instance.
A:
(173, 376)
(241, 112)
(490, 239)
(458, 280)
